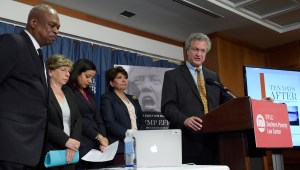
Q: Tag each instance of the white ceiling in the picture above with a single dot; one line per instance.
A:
(262, 23)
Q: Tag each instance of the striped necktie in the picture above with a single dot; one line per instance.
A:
(201, 87)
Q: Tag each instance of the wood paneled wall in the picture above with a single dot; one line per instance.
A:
(227, 58)
(285, 56)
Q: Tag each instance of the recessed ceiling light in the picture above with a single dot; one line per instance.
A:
(127, 14)
(198, 8)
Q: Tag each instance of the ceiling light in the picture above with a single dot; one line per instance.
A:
(127, 14)
(198, 8)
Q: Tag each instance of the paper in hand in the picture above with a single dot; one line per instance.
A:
(108, 154)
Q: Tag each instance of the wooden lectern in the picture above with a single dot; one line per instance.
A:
(234, 123)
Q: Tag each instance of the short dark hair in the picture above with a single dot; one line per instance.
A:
(112, 73)
(80, 66)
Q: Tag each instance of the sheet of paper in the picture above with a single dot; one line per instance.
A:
(108, 154)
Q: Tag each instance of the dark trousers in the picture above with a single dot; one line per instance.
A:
(82, 165)
(14, 166)
(118, 161)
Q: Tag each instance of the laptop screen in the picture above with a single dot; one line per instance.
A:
(158, 148)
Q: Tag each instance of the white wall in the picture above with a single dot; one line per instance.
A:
(18, 12)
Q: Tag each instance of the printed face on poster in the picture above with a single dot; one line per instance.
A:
(146, 83)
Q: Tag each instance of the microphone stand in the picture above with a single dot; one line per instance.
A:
(230, 93)
(210, 81)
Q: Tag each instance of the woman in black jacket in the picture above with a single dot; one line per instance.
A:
(64, 121)
(120, 111)
(93, 131)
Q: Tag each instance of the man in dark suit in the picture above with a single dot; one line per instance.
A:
(23, 90)
(182, 105)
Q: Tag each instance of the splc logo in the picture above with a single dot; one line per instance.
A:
(260, 123)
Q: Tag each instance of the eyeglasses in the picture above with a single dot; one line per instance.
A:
(196, 50)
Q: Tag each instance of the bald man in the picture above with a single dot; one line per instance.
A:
(24, 90)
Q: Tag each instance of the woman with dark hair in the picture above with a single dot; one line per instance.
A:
(120, 111)
(93, 130)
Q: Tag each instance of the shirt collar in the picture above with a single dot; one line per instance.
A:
(35, 43)
(190, 67)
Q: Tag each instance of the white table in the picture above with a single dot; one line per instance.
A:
(183, 167)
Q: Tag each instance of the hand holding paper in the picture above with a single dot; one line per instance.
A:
(108, 154)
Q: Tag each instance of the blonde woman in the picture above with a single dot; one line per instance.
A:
(64, 123)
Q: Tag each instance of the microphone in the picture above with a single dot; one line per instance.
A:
(211, 81)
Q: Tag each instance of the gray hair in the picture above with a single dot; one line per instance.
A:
(197, 36)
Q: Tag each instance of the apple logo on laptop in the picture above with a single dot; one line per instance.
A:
(153, 148)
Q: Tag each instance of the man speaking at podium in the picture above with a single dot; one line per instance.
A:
(186, 97)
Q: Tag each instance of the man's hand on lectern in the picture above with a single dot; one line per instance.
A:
(194, 123)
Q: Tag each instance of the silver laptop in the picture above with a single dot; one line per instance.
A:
(158, 148)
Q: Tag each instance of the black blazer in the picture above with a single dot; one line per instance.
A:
(57, 138)
(23, 100)
(181, 99)
(92, 123)
(116, 117)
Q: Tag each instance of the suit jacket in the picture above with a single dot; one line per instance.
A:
(23, 100)
(92, 122)
(181, 99)
(57, 138)
(116, 117)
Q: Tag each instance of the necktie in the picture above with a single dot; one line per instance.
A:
(41, 55)
(43, 64)
(201, 87)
